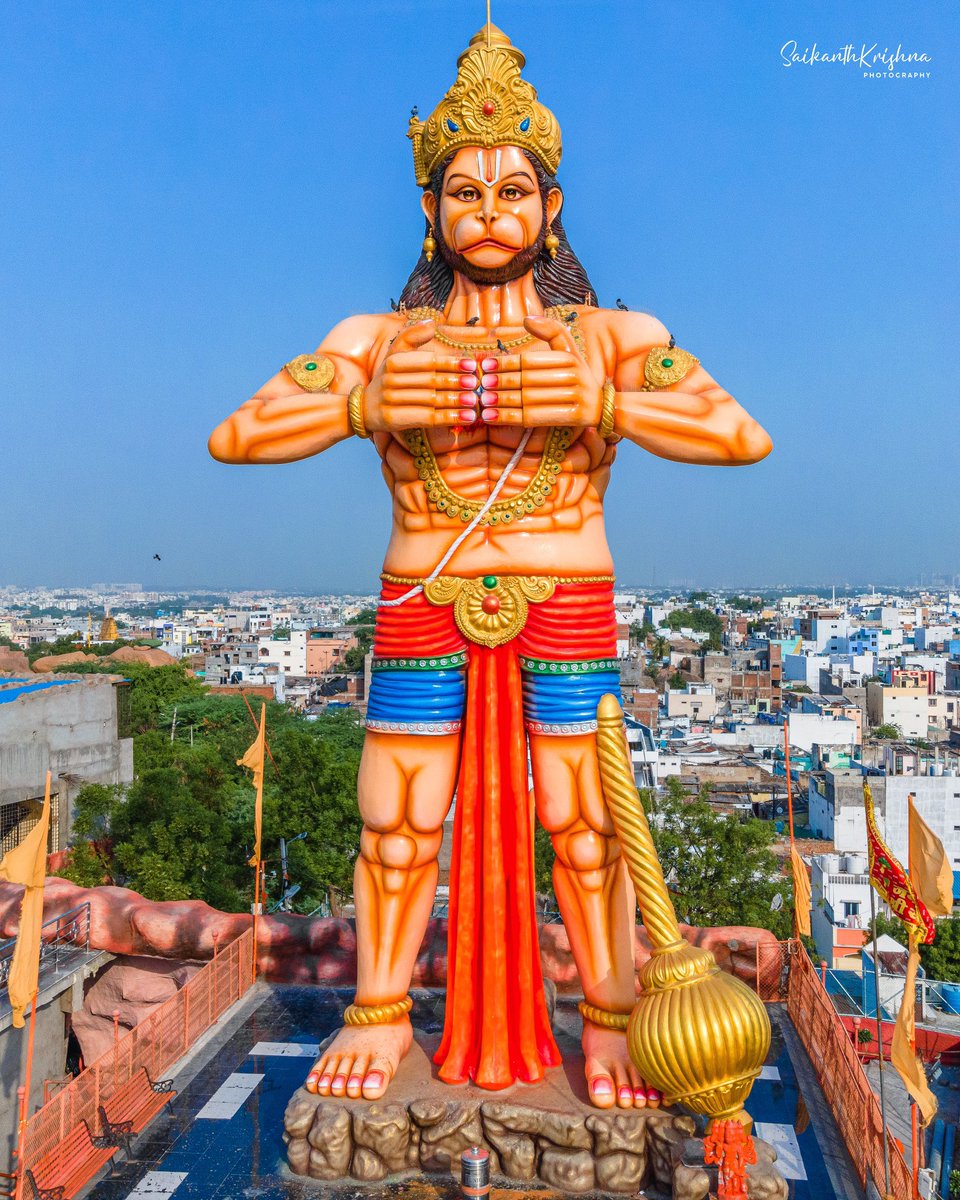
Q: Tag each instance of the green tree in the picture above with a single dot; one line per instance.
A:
(701, 620)
(722, 870)
(887, 731)
(941, 959)
(677, 681)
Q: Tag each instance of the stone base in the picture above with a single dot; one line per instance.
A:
(546, 1132)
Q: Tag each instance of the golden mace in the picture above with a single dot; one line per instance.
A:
(697, 1034)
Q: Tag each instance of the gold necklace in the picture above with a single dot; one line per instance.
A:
(446, 500)
(559, 312)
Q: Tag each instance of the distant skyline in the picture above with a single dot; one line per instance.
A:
(194, 193)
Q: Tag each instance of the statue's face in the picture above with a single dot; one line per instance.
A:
(490, 206)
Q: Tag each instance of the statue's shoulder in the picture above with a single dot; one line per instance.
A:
(363, 337)
(639, 330)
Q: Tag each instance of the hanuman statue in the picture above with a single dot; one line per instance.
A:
(495, 397)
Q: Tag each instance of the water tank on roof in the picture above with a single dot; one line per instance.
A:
(856, 864)
(832, 863)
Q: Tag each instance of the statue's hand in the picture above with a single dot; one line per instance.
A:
(554, 386)
(415, 388)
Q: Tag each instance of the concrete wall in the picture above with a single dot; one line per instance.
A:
(69, 730)
(49, 1061)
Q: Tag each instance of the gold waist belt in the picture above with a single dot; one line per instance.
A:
(491, 609)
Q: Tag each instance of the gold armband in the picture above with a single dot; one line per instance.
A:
(603, 1017)
(666, 365)
(355, 411)
(312, 372)
(608, 412)
(377, 1014)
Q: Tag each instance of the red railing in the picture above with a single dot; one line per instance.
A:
(786, 974)
(155, 1044)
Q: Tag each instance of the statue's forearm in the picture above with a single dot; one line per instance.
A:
(281, 430)
(691, 428)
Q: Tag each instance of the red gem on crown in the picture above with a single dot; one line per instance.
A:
(489, 108)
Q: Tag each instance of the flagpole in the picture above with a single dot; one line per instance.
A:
(25, 1107)
(876, 978)
(786, 761)
(914, 1128)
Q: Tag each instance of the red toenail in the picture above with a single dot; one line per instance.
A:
(324, 1080)
(354, 1079)
(625, 1093)
(337, 1079)
(375, 1078)
(601, 1087)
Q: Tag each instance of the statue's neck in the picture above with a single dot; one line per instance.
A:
(495, 306)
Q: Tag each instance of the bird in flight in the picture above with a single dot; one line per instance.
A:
(157, 557)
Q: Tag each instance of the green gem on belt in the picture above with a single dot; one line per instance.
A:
(489, 582)
(668, 362)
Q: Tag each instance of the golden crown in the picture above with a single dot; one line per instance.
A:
(489, 105)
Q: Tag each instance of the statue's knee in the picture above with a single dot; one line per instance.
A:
(396, 853)
(587, 852)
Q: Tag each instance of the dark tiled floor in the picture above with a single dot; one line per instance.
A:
(242, 1158)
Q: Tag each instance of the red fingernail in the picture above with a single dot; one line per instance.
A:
(468, 364)
(491, 398)
(468, 382)
(489, 364)
(468, 417)
(490, 414)
(469, 399)
(489, 381)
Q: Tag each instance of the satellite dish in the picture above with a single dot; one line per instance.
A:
(776, 903)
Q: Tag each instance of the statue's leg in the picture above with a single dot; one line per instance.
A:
(405, 787)
(596, 901)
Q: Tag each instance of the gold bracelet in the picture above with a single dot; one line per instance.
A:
(603, 1017)
(377, 1014)
(355, 411)
(607, 412)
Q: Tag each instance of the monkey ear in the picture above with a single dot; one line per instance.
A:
(428, 202)
(553, 204)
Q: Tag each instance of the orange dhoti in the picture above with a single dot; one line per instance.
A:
(548, 677)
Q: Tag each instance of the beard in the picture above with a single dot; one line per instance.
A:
(518, 266)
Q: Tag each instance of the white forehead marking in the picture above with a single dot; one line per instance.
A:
(496, 169)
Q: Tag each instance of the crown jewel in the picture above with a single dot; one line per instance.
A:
(488, 105)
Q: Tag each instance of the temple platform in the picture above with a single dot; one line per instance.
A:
(222, 1137)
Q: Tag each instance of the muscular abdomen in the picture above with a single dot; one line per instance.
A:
(564, 536)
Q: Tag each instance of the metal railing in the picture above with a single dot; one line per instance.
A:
(154, 1045)
(785, 974)
(59, 936)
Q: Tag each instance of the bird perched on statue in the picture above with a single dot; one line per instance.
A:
(620, 304)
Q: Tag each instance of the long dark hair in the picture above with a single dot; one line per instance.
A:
(560, 280)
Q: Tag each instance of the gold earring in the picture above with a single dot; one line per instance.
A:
(429, 245)
(551, 242)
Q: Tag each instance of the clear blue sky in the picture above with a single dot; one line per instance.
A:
(194, 192)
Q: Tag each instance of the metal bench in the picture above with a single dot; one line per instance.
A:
(132, 1107)
(70, 1165)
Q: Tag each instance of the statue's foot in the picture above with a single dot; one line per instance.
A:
(612, 1079)
(361, 1060)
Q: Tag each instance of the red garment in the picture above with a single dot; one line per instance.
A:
(496, 1029)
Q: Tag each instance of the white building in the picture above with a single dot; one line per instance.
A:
(839, 905)
(290, 654)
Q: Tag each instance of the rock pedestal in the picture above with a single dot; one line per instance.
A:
(545, 1132)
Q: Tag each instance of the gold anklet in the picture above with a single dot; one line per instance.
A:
(377, 1014)
(603, 1017)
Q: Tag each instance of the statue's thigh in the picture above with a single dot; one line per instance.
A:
(407, 779)
(566, 782)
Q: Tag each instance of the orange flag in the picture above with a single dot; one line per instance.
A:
(254, 760)
(903, 1052)
(26, 864)
(801, 892)
(931, 875)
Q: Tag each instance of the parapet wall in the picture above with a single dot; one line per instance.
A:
(307, 950)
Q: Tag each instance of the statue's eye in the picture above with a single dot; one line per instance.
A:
(468, 194)
(511, 193)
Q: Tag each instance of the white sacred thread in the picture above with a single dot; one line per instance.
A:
(496, 171)
(458, 542)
